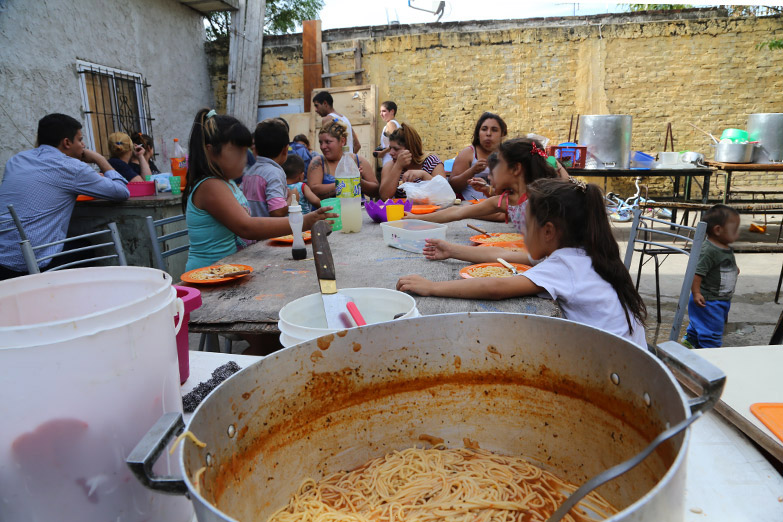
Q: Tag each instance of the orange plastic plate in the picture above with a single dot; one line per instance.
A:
(289, 239)
(186, 277)
(511, 237)
(465, 273)
(424, 209)
(771, 414)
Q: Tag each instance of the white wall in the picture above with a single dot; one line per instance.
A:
(40, 41)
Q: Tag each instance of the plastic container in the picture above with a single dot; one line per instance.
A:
(410, 234)
(735, 135)
(640, 160)
(179, 163)
(377, 209)
(298, 250)
(304, 319)
(89, 361)
(570, 156)
(337, 223)
(141, 188)
(191, 299)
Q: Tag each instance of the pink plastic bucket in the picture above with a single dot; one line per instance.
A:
(191, 297)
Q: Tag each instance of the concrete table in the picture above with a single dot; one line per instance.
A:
(130, 216)
(251, 304)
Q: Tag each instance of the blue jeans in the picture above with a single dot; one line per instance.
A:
(705, 329)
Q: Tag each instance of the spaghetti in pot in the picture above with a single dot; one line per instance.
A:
(425, 485)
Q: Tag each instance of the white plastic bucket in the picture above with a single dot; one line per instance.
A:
(89, 363)
(304, 319)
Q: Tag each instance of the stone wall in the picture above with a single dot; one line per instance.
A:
(162, 40)
(698, 66)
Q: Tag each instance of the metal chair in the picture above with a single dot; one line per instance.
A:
(33, 262)
(158, 255)
(210, 342)
(9, 222)
(643, 240)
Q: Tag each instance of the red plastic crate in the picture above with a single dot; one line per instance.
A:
(569, 157)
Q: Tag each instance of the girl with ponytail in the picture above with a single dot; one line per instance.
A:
(568, 227)
(216, 211)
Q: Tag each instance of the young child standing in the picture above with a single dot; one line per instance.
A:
(715, 279)
(294, 168)
(264, 183)
(568, 228)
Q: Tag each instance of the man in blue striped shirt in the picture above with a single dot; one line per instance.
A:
(42, 185)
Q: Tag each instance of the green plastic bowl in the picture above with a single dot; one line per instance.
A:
(735, 135)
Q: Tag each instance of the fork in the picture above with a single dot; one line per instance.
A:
(508, 265)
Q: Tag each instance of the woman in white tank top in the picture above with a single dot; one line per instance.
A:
(388, 113)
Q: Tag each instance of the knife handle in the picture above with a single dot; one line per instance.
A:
(324, 264)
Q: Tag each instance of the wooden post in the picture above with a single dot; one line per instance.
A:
(311, 57)
(244, 66)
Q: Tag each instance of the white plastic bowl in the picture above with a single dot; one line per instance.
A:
(304, 319)
(410, 234)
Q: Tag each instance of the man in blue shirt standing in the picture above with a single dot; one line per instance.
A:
(43, 183)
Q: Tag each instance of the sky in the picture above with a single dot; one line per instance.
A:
(357, 13)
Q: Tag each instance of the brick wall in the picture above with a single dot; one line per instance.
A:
(696, 66)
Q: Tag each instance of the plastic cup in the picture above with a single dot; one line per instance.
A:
(175, 184)
(337, 224)
(148, 177)
(394, 212)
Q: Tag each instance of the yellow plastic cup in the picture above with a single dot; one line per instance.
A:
(394, 212)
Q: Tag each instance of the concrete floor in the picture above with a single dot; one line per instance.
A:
(753, 312)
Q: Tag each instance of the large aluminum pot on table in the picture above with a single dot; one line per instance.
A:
(575, 399)
(608, 140)
(767, 130)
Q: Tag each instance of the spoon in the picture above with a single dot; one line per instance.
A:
(705, 132)
(477, 229)
(508, 265)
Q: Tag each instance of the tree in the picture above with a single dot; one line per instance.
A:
(281, 17)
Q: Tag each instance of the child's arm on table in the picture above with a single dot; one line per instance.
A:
(476, 288)
(696, 291)
(455, 213)
(437, 249)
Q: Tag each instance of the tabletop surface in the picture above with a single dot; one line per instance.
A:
(251, 304)
(632, 173)
(764, 167)
(163, 199)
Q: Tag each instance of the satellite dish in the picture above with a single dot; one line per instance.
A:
(438, 7)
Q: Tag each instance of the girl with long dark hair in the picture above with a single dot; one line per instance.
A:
(568, 228)
(216, 211)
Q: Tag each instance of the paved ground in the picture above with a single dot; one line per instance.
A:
(753, 310)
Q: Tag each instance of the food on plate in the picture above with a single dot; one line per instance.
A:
(215, 272)
(290, 237)
(490, 271)
(439, 484)
(504, 237)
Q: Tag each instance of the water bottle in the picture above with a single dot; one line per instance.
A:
(295, 220)
(348, 187)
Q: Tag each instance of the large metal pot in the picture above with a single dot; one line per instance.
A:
(767, 129)
(728, 152)
(608, 140)
(571, 397)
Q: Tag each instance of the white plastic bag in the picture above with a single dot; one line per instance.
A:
(435, 191)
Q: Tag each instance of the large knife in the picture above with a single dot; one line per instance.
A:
(335, 304)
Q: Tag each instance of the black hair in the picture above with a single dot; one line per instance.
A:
(492, 161)
(718, 215)
(578, 212)
(484, 117)
(270, 137)
(520, 151)
(287, 127)
(293, 166)
(215, 130)
(322, 97)
(302, 139)
(390, 106)
(144, 140)
(54, 128)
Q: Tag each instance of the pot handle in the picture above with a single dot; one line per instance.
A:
(180, 313)
(698, 374)
(149, 448)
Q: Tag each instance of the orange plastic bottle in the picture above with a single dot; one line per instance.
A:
(179, 163)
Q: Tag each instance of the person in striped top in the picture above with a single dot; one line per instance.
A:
(409, 162)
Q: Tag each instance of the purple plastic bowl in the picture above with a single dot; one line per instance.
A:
(377, 209)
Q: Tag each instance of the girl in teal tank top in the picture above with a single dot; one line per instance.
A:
(217, 156)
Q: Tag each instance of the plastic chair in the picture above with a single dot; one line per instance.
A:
(33, 262)
(208, 342)
(158, 255)
(646, 240)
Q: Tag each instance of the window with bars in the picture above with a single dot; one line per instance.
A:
(113, 101)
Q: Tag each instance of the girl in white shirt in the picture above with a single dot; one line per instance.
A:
(568, 228)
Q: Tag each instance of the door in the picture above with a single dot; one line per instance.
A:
(358, 103)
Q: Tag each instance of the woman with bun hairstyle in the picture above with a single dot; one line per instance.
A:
(122, 150)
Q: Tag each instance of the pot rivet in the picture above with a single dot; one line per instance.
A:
(209, 460)
(647, 399)
(231, 431)
(615, 378)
